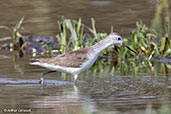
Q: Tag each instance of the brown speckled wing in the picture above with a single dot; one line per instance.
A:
(70, 59)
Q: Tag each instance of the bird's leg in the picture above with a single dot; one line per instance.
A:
(42, 76)
(75, 79)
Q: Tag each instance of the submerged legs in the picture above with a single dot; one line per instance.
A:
(44, 73)
(42, 76)
(75, 78)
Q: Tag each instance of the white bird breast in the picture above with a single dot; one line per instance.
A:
(91, 58)
(52, 67)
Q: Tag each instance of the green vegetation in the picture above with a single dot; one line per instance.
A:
(73, 37)
(147, 44)
(144, 40)
(16, 38)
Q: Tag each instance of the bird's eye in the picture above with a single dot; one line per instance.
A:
(119, 38)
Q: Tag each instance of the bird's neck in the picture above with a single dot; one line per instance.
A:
(102, 45)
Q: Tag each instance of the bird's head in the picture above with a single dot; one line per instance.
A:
(116, 38)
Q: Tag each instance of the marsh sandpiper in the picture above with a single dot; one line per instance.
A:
(78, 61)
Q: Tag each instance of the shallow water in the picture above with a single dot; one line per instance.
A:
(94, 93)
(41, 16)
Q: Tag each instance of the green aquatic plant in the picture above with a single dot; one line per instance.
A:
(150, 42)
(147, 44)
(15, 39)
(72, 35)
(49, 51)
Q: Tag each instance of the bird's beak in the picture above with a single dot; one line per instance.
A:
(129, 48)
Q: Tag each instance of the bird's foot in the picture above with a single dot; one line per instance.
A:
(75, 82)
(41, 81)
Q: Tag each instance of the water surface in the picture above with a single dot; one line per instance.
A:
(41, 16)
(97, 92)
(94, 93)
